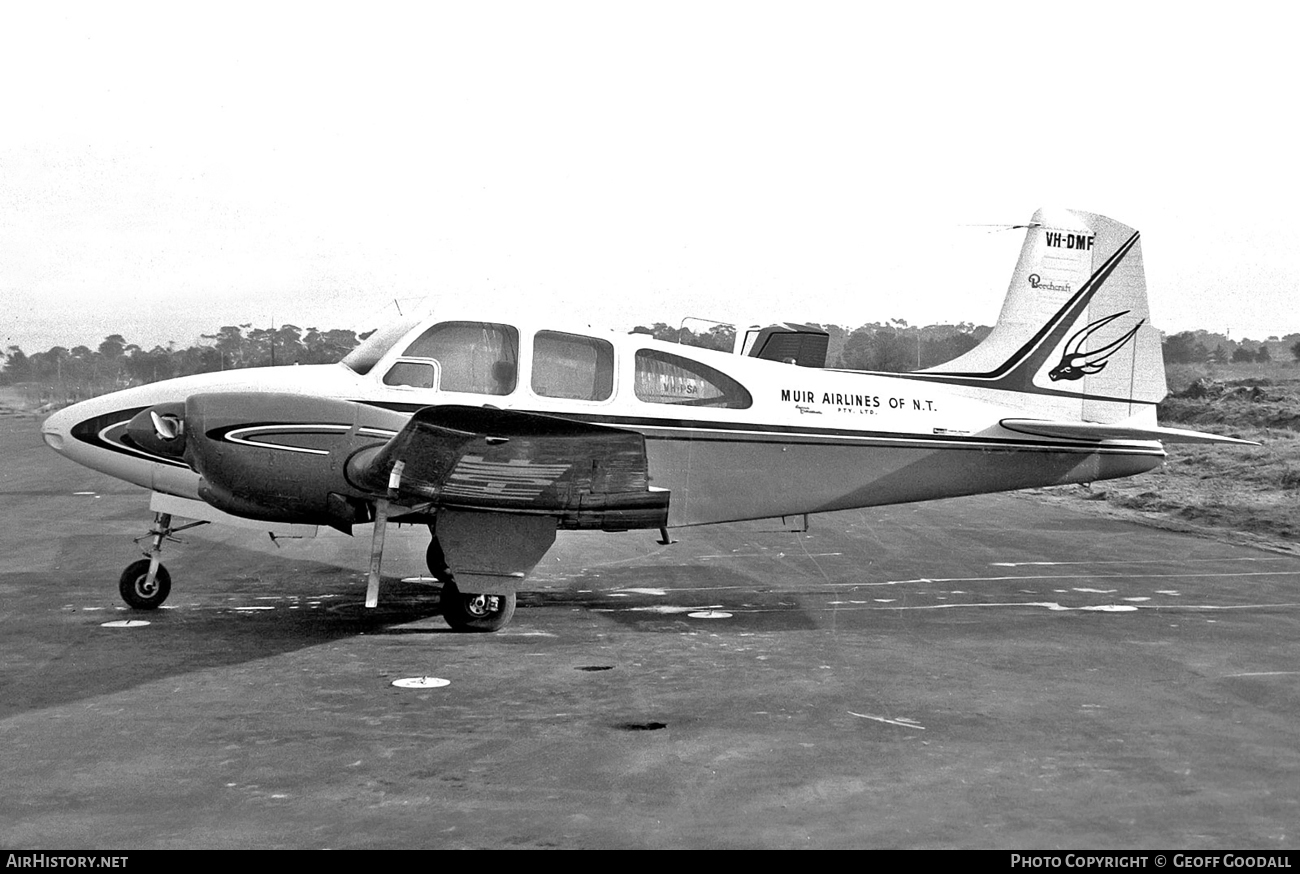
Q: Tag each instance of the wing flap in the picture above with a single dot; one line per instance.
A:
(590, 476)
(1097, 431)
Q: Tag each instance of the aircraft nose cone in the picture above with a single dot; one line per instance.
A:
(159, 429)
(57, 429)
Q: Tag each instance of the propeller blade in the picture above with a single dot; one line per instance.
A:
(166, 427)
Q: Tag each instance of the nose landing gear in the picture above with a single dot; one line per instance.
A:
(145, 583)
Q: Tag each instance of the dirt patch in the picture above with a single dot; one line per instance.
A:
(1247, 494)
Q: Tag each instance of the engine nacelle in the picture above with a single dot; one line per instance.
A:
(273, 457)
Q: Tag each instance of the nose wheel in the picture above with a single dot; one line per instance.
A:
(145, 583)
(144, 590)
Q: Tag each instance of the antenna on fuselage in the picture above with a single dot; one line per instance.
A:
(1001, 227)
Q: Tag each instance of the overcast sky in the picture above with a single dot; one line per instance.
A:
(167, 169)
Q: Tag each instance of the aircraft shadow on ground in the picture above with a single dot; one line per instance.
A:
(55, 648)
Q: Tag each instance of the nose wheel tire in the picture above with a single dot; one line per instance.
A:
(138, 592)
(475, 612)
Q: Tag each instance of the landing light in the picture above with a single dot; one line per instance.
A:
(54, 441)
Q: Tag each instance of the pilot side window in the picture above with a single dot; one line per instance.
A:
(477, 357)
(662, 378)
(416, 374)
(572, 366)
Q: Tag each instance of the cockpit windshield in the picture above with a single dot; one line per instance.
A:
(365, 356)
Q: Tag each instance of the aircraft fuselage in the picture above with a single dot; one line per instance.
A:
(730, 437)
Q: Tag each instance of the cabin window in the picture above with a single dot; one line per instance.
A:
(477, 357)
(670, 379)
(572, 366)
(416, 374)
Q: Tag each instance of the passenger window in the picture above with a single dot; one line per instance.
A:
(476, 357)
(669, 379)
(572, 366)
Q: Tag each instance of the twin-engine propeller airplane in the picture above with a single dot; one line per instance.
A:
(496, 434)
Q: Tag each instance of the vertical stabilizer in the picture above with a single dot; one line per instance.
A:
(1074, 338)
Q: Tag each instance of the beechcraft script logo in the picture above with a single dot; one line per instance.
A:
(1076, 362)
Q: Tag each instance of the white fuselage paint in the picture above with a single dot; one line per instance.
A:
(811, 441)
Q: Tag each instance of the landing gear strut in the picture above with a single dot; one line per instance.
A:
(145, 584)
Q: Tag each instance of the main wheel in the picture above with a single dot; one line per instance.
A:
(136, 589)
(475, 612)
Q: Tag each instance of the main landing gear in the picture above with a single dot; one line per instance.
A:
(463, 611)
(145, 583)
(466, 612)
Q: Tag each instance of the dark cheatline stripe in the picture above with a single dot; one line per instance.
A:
(758, 432)
(88, 431)
(1017, 372)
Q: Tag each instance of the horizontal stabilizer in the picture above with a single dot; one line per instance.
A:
(1098, 431)
(588, 476)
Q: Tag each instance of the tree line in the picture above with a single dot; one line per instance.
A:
(894, 346)
(1196, 347)
(81, 372)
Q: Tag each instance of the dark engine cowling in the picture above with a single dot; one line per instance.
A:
(295, 458)
(272, 457)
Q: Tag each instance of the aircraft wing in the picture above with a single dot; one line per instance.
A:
(479, 458)
(1098, 431)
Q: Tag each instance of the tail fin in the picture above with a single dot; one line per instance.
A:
(1074, 339)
